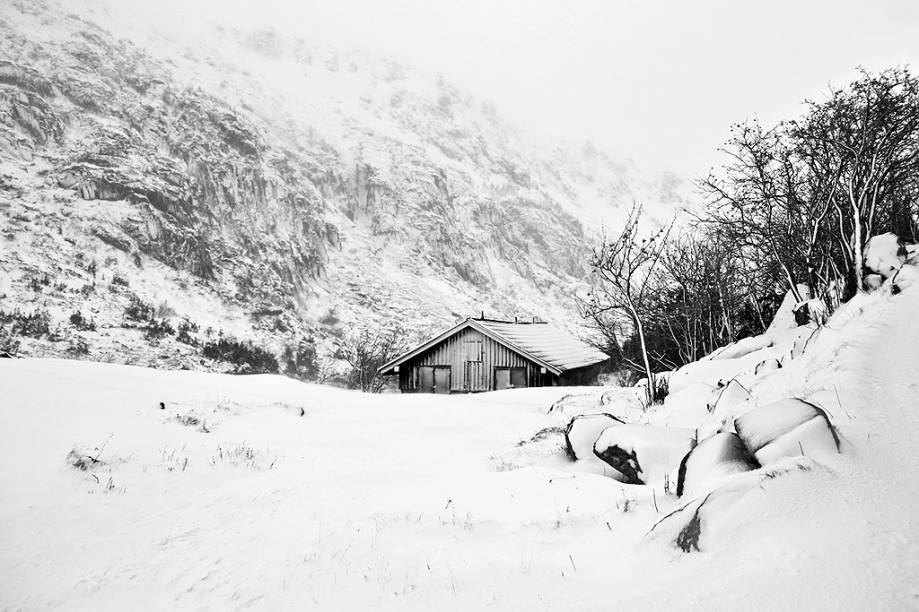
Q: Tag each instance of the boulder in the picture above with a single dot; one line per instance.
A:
(582, 432)
(873, 282)
(785, 316)
(689, 406)
(732, 400)
(715, 518)
(885, 254)
(811, 311)
(643, 453)
(767, 365)
(786, 428)
(912, 254)
(743, 347)
(718, 456)
(731, 394)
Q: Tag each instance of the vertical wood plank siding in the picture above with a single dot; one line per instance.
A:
(461, 348)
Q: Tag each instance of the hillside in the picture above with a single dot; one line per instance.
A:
(261, 492)
(250, 184)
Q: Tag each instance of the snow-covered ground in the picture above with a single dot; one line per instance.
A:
(286, 495)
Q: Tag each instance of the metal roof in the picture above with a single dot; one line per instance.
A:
(539, 342)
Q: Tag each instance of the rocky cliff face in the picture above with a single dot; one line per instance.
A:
(250, 184)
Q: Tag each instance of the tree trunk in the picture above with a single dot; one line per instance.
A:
(859, 257)
(644, 355)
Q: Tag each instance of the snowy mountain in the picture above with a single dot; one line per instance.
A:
(250, 184)
(265, 493)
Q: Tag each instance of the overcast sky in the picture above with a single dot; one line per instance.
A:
(660, 82)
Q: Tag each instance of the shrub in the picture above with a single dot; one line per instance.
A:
(185, 331)
(365, 351)
(165, 311)
(119, 281)
(37, 284)
(241, 455)
(139, 310)
(661, 388)
(158, 328)
(250, 358)
(9, 344)
(330, 319)
(82, 323)
(301, 360)
(35, 325)
(78, 347)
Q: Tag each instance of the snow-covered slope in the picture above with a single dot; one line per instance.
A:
(265, 493)
(271, 189)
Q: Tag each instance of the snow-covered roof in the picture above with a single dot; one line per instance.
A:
(540, 342)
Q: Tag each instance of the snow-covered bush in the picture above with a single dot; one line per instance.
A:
(35, 324)
(249, 358)
(366, 350)
(82, 323)
(301, 360)
(9, 344)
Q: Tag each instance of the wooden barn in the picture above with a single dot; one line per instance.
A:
(488, 355)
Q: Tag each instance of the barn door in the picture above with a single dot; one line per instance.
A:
(509, 378)
(474, 380)
(442, 380)
(425, 379)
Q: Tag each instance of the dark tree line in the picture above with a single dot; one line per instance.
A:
(794, 206)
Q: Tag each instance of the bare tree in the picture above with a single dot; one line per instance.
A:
(863, 141)
(807, 194)
(366, 350)
(622, 270)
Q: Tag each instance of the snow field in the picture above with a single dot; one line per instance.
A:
(230, 499)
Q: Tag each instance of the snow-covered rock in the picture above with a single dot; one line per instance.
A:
(912, 254)
(582, 433)
(786, 428)
(907, 277)
(767, 365)
(885, 254)
(689, 406)
(874, 281)
(718, 371)
(709, 519)
(712, 459)
(731, 400)
(811, 311)
(784, 318)
(643, 454)
(743, 347)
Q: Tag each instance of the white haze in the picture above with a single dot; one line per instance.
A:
(658, 82)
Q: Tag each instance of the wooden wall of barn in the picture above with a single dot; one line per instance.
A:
(472, 358)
